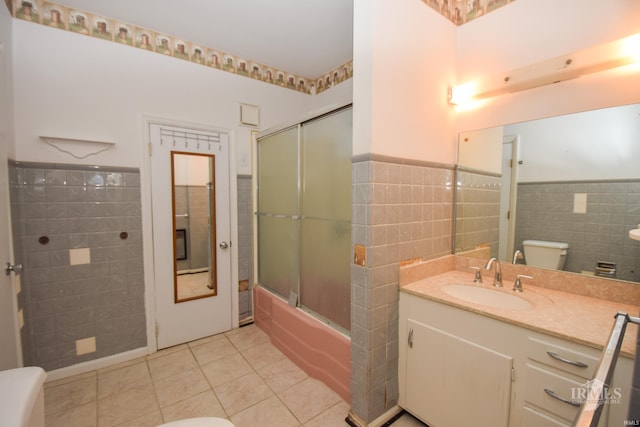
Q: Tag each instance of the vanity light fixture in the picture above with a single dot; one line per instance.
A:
(595, 59)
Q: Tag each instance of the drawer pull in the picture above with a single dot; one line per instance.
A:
(560, 398)
(570, 362)
(410, 338)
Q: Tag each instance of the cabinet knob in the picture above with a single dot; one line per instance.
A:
(410, 338)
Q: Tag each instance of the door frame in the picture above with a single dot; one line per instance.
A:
(147, 223)
(507, 242)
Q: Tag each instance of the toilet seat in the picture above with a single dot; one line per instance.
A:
(199, 422)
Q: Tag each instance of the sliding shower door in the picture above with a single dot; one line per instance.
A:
(325, 229)
(304, 215)
(278, 206)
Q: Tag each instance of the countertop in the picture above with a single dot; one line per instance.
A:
(576, 318)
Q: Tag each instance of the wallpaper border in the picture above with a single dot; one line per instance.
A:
(84, 23)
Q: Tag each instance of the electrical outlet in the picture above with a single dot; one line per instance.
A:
(86, 345)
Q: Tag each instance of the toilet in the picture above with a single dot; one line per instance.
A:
(540, 253)
(22, 397)
(199, 422)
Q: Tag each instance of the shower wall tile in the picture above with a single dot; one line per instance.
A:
(399, 211)
(56, 208)
(245, 241)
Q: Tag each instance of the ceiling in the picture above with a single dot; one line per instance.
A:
(303, 37)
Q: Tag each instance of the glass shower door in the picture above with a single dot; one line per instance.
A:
(278, 212)
(325, 230)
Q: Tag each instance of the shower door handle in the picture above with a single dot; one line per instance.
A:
(8, 268)
(223, 245)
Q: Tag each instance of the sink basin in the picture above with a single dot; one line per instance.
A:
(635, 234)
(486, 296)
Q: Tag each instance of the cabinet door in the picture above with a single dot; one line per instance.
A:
(454, 382)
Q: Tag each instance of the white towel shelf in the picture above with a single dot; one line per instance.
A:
(78, 148)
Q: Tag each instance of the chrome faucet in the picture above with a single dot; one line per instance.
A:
(517, 285)
(517, 255)
(497, 279)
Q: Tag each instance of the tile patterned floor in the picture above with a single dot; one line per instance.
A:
(238, 375)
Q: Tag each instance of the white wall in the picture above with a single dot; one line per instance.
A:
(594, 145)
(404, 58)
(191, 170)
(528, 31)
(481, 150)
(81, 87)
(6, 91)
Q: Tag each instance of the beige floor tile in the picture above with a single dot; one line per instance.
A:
(206, 340)
(226, 369)
(202, 405)
(334, 416)
(213, 350)
(70, 395)
(165, 351)
(172, 364)
(68, 380)
(85, 415)
(121, 365)
(407, 420)
(282, 374)
(247, 336)
(152, 419)
(129, 405)
(270, 412)
(308, 399)
(120, 380)
(262, 355)
(242, 393)
(180, 386)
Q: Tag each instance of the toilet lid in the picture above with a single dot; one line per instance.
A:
(199, 422)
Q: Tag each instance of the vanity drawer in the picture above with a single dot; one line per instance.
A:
(538, 379)
(533, 418)
(579, 361)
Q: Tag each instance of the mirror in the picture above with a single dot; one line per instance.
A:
(193, 195)
(571, 179)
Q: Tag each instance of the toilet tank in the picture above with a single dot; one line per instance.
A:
(540, 253)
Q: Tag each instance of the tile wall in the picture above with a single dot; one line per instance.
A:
(401, 210)
(78, 233)
(245, 243)
(193, 200)
(477, 211)
(545, 211)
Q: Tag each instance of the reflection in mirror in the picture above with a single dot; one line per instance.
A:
(194, 225)
(572, 180)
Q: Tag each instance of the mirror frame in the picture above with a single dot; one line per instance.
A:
(213, 266)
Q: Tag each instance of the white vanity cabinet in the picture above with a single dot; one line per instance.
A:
(460, 368)
(450, 374)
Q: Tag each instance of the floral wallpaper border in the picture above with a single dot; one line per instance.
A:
(77, 21)
(462, 11)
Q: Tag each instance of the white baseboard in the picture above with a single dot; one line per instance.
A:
(92, 365)
(378, 422)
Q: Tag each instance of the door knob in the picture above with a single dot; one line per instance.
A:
(8, 268)
(224, 245)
